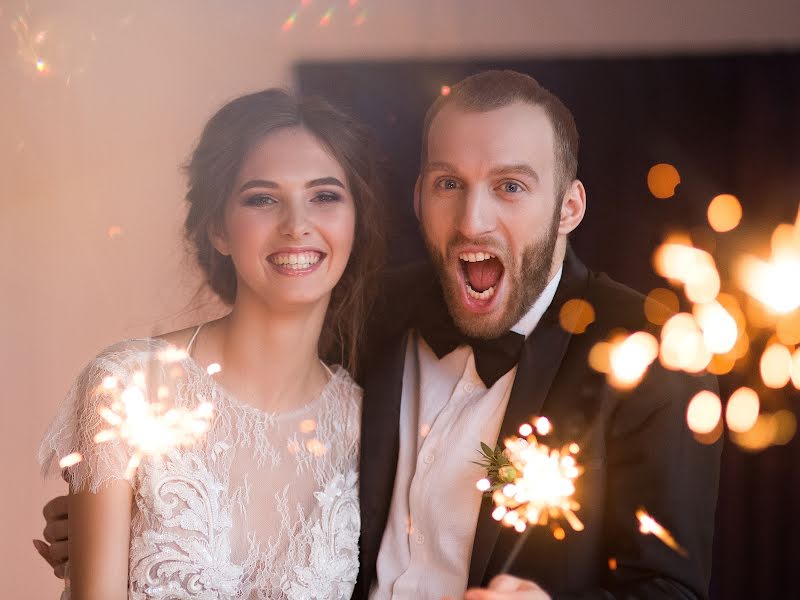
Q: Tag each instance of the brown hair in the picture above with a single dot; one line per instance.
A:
(489, 90)
(227, 139)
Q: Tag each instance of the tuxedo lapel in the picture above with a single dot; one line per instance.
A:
(380, 441)
(539, 363)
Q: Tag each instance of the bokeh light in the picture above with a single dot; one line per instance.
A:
(724, 213)
(660, 305)
(576, 315)
(662, 179)
(776, 366)
(704, 412)
(742, 410)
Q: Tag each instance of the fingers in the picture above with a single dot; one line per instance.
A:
(59, 553)
(55, 555)
(55, 509)
(56, 531)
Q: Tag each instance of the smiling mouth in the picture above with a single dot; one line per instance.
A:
(296, 261)
(482, 274)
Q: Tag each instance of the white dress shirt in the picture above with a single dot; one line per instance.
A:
(445, 413)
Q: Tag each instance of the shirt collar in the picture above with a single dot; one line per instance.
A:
(531, 319)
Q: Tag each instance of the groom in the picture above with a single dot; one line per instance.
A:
(467, 348)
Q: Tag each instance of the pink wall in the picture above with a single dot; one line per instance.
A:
(96, 143)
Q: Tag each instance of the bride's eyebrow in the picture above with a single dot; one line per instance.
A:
(325, 181)
(258, 183)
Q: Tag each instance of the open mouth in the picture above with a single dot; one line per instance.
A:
(482, 275)
(295, 263)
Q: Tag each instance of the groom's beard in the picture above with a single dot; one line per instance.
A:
(525, 282)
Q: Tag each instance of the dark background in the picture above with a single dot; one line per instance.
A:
(729, 124)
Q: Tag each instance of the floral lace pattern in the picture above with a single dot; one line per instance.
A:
(265, 507)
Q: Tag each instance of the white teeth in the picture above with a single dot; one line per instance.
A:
(484, 295)
(475, 256)
(297, 260)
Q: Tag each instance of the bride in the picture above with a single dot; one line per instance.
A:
(284, 222)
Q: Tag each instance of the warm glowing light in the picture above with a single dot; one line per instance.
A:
(724, 213)
(612, 564)
(704, 412)
(787, 328)
(662, 179)
(742, 410)
(525, 429)
(683, 346)
(70, 460)
(445, 90)
(316, 447)
(649, 526)
(288, 24)
(770, 429)
(543, 425)
(600, 357)
(776, 366)
(326, 18)
(543, 487)
(660, 305)
(559, 533)
(214, 368)
(774, 283)
(576, 315)
(718, 326)
(694, 268)
(796, 369)
(150, 428)
(41, 66)
(308, 425)
(630, 359)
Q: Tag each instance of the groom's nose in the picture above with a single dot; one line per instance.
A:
(476, 215)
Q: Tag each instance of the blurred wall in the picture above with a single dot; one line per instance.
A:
(90, 190)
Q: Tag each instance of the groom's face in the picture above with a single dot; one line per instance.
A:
(486, 201)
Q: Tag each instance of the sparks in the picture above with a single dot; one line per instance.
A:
(648, 525)
(544, 486)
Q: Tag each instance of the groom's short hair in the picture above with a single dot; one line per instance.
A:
(490, 90)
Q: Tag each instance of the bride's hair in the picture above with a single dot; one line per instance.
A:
(227, 139)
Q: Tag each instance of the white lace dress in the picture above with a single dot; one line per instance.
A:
(264, 506)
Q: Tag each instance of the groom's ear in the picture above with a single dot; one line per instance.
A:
(573, 208)
(417, 186)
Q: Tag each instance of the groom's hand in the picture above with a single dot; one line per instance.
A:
(506, 587)
(54, 550)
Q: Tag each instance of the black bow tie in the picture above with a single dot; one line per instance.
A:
(493, 357)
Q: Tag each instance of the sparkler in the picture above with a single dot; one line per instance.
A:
(533, 484)
(138, 412)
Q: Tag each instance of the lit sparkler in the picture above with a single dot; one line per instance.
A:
(138, 413)
(534, 484)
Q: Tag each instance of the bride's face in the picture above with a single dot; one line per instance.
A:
(289, 222)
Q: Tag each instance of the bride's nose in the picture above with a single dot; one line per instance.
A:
(295, 224)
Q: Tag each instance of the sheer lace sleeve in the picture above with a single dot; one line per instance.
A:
(78, 420)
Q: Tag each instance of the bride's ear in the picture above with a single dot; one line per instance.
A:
(218, 239)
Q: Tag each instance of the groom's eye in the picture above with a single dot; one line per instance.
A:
(447, 183)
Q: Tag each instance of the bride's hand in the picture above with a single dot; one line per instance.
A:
(55, 532)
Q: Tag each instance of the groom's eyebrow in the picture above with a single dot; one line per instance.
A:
(517, 169)
(438, 166)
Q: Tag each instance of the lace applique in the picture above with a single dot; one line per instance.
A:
(331, 571)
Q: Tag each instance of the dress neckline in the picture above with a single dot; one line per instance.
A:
(203, 374)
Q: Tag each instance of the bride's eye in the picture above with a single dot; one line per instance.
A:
(259, 200)
(325, 197)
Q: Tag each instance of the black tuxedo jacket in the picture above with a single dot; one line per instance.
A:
(635, 447)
